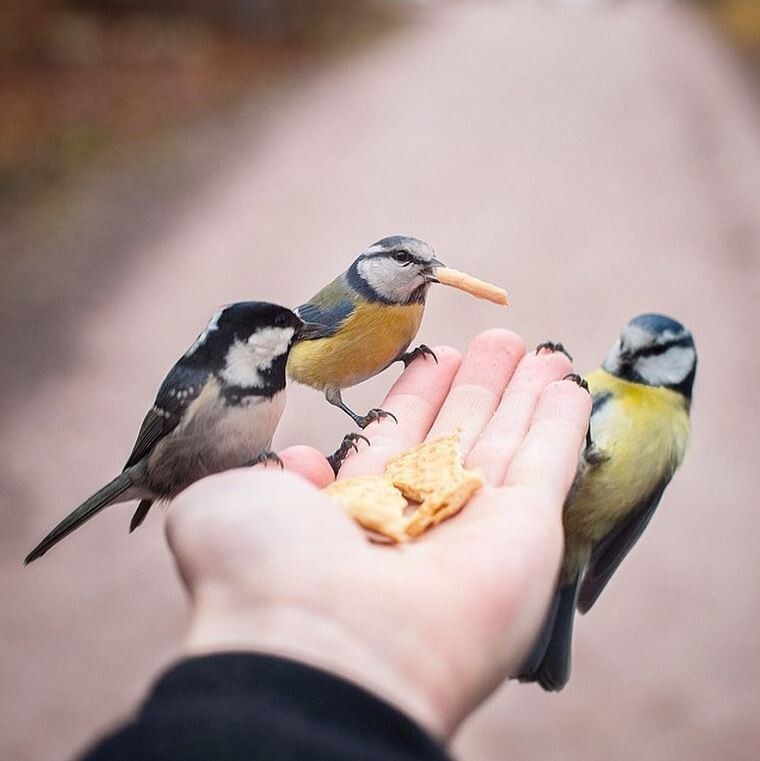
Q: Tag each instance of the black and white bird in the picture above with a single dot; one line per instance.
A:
(217, 409)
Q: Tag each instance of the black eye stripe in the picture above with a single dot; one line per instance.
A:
(656, 349)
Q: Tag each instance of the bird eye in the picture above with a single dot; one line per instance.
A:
(403, 257)
(280, 320)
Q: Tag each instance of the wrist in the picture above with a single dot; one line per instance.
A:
(298, 632)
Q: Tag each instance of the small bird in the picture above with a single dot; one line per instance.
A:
(371, 314)
(217, 409)
(637, 438)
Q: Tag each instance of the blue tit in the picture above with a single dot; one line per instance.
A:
(217, 409)
(371, 314)
(638, 435)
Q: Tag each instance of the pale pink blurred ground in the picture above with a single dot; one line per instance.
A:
(599, 161)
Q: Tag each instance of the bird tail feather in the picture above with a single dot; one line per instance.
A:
(140, 514)
(549, 662)
(102, 498)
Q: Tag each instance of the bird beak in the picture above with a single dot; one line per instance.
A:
(310, 330)
(429, 273)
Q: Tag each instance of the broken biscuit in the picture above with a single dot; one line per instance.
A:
(430, 474)
(374, 503)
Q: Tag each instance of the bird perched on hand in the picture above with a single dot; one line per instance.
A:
(371, 314)
(638, 435)
(218, 408)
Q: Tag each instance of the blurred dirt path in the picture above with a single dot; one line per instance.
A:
(599, 161)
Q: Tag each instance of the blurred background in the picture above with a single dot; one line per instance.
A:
(161, 157)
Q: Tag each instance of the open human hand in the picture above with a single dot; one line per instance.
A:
(433, 626)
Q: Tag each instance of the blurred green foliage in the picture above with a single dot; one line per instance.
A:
(81, 79)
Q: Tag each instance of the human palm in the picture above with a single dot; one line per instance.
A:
(434, 625)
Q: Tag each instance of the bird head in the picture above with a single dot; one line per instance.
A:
(395, 270)
(655, 350)
(248, 341)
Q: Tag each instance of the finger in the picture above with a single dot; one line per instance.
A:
(414, 399)
(515, 531)
(487, 366)
(509, 425)
(308, 463)
(548, 458)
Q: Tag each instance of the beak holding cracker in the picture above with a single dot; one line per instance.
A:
(472, 285)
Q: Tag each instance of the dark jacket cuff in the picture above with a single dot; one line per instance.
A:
(248, 706)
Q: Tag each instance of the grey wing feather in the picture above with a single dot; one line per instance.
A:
(330, 307)
(177, 393)
(609, 553)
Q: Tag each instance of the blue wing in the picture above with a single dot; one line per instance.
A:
(330, 307)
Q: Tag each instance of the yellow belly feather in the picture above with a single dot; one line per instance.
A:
(370, 339)
(643, 432)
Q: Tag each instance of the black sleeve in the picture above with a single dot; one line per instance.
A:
(246, 707)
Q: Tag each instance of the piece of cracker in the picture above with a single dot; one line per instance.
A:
(431, 473)
(472, 285)
(445, 503)
(374, 503)
(425, 469)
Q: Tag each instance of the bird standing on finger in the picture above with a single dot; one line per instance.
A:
(639, 432)
(217, 409)
(371, 314)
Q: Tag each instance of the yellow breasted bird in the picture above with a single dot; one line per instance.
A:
(637, 439)
(371, 314)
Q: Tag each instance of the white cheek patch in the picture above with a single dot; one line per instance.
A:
(390, 280)
(245, 359)
(213, 324)
(269, 343)
(667, 369)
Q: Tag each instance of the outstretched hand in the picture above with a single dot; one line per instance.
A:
(432, 626)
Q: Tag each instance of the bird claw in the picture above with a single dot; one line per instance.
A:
(577, 379)
(338, 457)
(592, 453)
(552, 347)
(374, 414)
(420, 351)
(266, 457)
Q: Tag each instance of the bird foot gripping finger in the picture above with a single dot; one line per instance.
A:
(420, 351)
(552, 347)
(266, 457)
(577, 379)
(338, 457)
(374, 414)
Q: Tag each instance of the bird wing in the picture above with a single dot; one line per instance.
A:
(178, 391)
(330, 307)
(608, 554)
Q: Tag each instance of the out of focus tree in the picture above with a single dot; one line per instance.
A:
(80, 78)
(740, 19)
